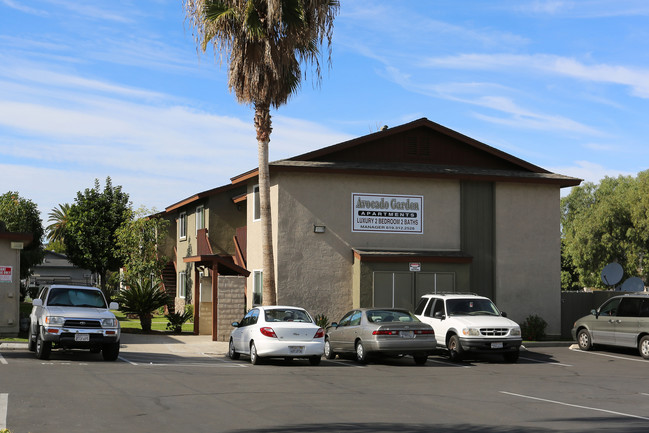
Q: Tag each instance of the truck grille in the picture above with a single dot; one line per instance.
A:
(494, 332)
(79, 323)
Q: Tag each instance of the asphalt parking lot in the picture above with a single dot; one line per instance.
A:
(170, 386)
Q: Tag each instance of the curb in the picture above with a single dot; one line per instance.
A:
(13, 346)
(547, 344)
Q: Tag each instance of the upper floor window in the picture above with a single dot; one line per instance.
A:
(200, 218)
(256, 208)
(182, 225)
(257, 287)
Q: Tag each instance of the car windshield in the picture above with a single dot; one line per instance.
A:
(65, 297)
(378, 316)
(287, 315)
(471, 307)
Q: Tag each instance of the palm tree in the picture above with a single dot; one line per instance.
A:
(142, 298)
(265, 42)
(58, 218)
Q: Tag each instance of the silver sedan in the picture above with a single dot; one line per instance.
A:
(368, 332)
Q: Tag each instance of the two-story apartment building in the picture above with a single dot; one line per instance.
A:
(379, 221)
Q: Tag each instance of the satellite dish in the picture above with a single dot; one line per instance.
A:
(612, 274)
(633, 284)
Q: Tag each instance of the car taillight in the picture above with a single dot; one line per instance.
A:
(383, 332)
(425, 332)
(268, 332)
(319, 334)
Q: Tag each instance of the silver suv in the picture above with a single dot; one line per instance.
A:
(469, 323)
(73, 317)
(621, 321)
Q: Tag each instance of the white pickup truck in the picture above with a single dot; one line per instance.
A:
(468, 323)
(73, 317)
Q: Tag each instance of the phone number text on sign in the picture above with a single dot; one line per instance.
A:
(380, 213)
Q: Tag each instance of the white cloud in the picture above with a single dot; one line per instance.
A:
(635, 78)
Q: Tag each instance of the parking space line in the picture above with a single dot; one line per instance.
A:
(2, 360)
(126, 360)
(609, 356)
(546, 362)
(575, 405)
(4, 401)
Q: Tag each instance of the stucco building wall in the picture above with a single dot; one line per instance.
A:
(528, 252)
(9, 291)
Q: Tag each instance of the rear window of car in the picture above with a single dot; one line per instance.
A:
(378, 316)
(287, 315)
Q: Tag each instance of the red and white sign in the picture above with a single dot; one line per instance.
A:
(5, 274)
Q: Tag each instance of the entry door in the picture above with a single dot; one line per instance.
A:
(393, 290)
(403, 289)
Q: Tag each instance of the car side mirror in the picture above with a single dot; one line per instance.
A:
(37, 302)
(594, 313)
(439, 315)
(113, 306)
(334, 325)
(502, 313)
(235, 324)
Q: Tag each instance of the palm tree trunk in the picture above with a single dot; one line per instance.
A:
(263, 128)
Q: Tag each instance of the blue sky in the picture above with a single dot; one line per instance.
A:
(90, 89)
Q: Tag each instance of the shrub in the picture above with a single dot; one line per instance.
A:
(176, 320)
(533, 328)
(322, 321)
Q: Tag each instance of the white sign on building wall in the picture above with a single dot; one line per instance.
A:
(379, 213)
(5, 274)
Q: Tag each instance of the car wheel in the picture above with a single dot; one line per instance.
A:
(43, 348)
(314, 360)
(328, 353)
(583, 340)
(454, 348)
(232, 354)
(254, 358)
(420, 359)
(511, 357)
(110, 351)
(361, 353)
(31, 345)
(643, 347)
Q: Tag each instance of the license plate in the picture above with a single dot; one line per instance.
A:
(407, 334)
(498, 345)
(81, 337)
(296, 349)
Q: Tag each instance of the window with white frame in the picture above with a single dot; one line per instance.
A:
(182, 284)
(257, 287)
(200, 218)
(256, 208)
(182, 225)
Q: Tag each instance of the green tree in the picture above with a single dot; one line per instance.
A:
(90, 230)
(21, 215)
(639, 234)
(139, 242)
(142, 298)
(58, 218)
(265, 43)
(598, 228)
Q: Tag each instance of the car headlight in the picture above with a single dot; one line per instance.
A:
(109, 323)
(515, 331)
(54, 320)
(474, 332)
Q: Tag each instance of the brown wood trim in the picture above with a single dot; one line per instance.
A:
(245, 176)
(406, 258)
(239, 198)
(409, 174)
(27, 238)
(199, 196)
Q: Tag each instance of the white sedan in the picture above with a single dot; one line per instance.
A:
(277, 332)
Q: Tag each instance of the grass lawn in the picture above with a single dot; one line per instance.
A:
(158, 324)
